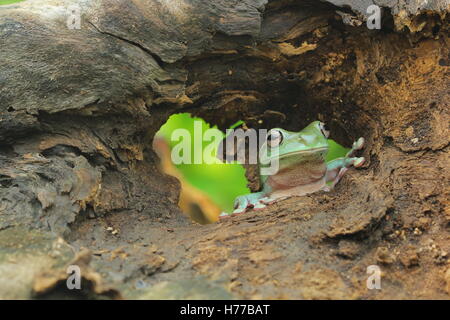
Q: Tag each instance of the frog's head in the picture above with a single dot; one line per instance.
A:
(296, 146)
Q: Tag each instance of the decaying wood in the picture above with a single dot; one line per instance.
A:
(79, 108)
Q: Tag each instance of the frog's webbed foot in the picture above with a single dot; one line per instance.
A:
(264, 202)
(255, 201)
(338, 167)
(357, 145)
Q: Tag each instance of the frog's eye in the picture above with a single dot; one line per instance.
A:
(324, 129)
(274, 138)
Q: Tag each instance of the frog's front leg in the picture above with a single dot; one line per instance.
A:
(248, 201)
(256, 200)
(337, 167)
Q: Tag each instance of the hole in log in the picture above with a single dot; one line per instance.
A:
(208, 185)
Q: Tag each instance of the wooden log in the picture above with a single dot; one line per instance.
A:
(79, 108)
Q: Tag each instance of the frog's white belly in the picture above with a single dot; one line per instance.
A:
(300, 190)
(298, 175)
(298, 180)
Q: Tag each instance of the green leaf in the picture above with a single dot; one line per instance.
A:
(9, 1)
(335, 150)
(222, 182)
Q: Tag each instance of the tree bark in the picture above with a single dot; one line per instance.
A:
(79, 109)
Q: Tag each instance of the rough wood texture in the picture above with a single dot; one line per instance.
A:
(78, 110)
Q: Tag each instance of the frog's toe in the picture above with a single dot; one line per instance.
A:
(358, 144)
(224, 215)
(259, 206)
(267, 200)
(239, 210)
(359, 162)
(241, 203)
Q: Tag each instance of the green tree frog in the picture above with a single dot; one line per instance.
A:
(302, 168)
